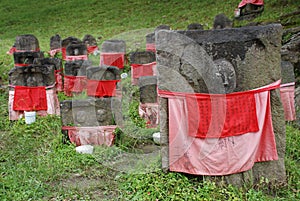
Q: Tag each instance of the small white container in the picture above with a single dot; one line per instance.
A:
(30, 117)
(124, 75)
(85, 149)
(156, 137)
(237, 12)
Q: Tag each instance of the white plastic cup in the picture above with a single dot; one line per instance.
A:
(156, 137)
(124, 75)
(85, 149)
(237, 12)
(30, 117)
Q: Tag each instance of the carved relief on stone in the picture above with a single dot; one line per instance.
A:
(55, 42)
(87, 112)
(227, 73)
(27, 42)
(103, 73)
(34, 75)
(142, 57)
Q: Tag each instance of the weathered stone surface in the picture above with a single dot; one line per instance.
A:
(76, 49)
(221, 21)
(142, 57)
(27, 42)
(26, 57)
(287, 72)
(195, 26)
(162, 27)
(35, 75)
(114, 46)
(164, 130)
(56, 62)
(291, 50)
(182, 65)
(87, 112)
(148, 91)
(55, 42)
(186, 62)
(77, 67)
(103, 73)
(70, 40)
(150, 38)
(89, 40)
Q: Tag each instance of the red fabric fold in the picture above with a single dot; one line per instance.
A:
(54, 52)
(219, 156)
(21, 65)
(75, 84)
(139, 70)
(112, 59)
(101, 88)
(11, 50)
(255, 2)
(59, 80)
(150, 47)
(64, 52)
(98, 135)
(30, 98)
(149, 112)
(216, 116)
(220, 115)
(52, 105)
(91, 49)
(287, 94)
(74, 58)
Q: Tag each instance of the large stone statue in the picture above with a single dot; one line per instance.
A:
(203, 63)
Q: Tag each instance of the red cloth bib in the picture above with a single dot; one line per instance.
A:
(74, 84)
(101, 88)
(63, 52)
(287, 95)
(98, 135)
(53, 52)
(139, 70)
(220, 115)
(11, 50)
(219, 156)
(74, 58)
(59, 80)
(91, 49)
(112, 59)
(30, 98)
(216, 116)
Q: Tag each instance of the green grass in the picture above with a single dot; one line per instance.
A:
(34, 162)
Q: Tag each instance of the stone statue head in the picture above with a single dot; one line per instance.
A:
(101, 115)
(81, 116)
(227, 72)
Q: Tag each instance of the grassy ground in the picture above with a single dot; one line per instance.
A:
(34, 162)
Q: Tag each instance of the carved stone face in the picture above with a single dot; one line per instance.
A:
(81, 116)
(101, 115)
(227, 73)
(31, 81)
